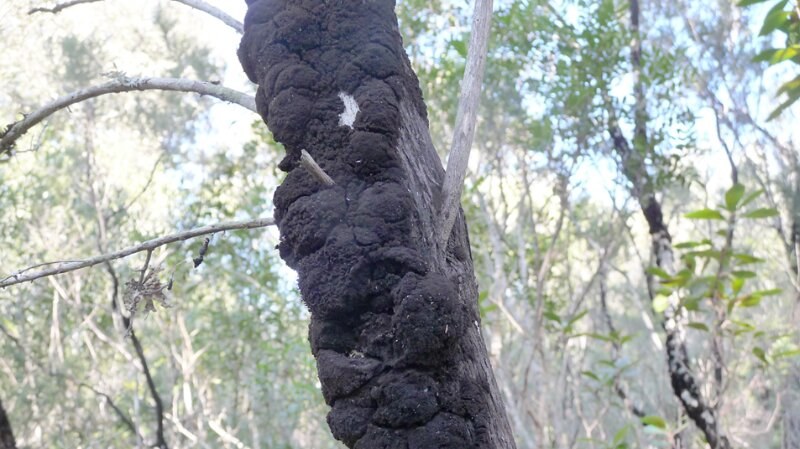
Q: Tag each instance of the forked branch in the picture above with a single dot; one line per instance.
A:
(72, 265)
(120, 83)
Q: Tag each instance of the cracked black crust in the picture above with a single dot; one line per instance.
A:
(393, 326)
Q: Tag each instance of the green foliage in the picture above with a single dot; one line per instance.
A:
(781, 18)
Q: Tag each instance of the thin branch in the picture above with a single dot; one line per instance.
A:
(146, 264)
(214, 12)
(61, 6)
(161, 442)
(120, 414)
(66, 267)
(466, 118)
(316, 171)
(199, 5)
(120, 83)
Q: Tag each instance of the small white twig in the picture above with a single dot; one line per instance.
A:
(214, 12)
(196, 4)
(121, 83)
(65, 267)
(56, 9)
(465, 119)
(316, 171)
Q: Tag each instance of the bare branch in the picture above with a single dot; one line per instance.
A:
(65, 267)
(316, 171)
(161, 442)
(120, 414)
(465, 119)
(199, 5)
(214, 12)
(120, 83)
(56, 9)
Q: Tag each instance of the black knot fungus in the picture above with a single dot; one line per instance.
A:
(378, 61)
(380, 438)
(308, 221)
(348, 423)
(334, 335)
(445, 431)
(427, 319)
(341, 375)
(406, 399)
(297, 28)
(289, 112)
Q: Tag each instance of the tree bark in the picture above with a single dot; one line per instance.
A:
(395, 327)
(684, 384)
(6, 434)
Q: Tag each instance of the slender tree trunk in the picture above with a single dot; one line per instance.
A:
(394, 325)
(6, 434)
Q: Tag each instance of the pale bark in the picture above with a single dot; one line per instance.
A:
(120, 83)
(199, 5)
(466, 118)
(71, 265)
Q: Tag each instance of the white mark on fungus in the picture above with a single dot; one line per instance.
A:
(348, 117)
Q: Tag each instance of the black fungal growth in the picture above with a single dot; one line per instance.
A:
(394, 333)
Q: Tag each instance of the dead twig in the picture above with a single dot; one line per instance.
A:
(466, 117)
(120, 83)
(316, 171)
(61, 6)
(199, 5)
(65, 267)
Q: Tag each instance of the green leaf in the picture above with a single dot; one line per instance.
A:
(655, 421)
(744, 258)
(751, 300)
(760, 354)
(794, 94)
(764, 212)
(736, 284)
(790, 86)
(750, 197)
(575, 319)
(742, 274)
(591, 375)
(770, 292)
(552, 316)
(776, 19)
(777, 55)
(600, 337)
(705, 214)
(733, 196)
(691, 304)
(698, 326)
(708, 253)
(460, 47)
(745, 3)
(620, 435)
(656, 271)
(660, 303)
(689, 245)
(786, 354)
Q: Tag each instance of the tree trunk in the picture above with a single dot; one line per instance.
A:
(394, 326)
(6, 434)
